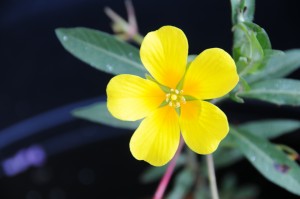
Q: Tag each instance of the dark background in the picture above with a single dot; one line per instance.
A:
(38, 75)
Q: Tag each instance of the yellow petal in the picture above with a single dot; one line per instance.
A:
(212, 74)
(157, 138)
(203, 126)
(132, 98)
(164, 54)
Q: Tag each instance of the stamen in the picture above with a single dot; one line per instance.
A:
(175, 98)
(168, 97)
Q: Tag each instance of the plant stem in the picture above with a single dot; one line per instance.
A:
(168, 174)
(138, 38)
(212, 176)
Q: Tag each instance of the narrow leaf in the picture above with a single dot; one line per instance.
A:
(247, 50)
(278, 65)
(270, 128)
(268, 160)
(101, 50)
(277, 91)
(98, 113)
(261, 35)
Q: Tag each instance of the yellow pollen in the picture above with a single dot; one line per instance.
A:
(175, 98)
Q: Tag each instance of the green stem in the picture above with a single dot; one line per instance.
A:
(212, 176)
(138, 38)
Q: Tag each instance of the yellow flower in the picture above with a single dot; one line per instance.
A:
(172, 102)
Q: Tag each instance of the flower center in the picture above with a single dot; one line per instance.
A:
(175, 98)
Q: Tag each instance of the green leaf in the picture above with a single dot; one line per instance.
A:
(268, 54)
(235, 11)
(252, 47)
(98, 113)
(234, 94)
(230, 189)
(242, 10)
(225, 156)
(249, 10)
(261, 35)
(247, 50)
(277, 91)
(101, 50)
(268, 159)
(183, 183)
(270, 128)
(277, 65)
(153, 174)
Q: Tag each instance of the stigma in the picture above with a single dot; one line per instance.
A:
(175, 98)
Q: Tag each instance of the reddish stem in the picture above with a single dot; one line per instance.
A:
(168, 174)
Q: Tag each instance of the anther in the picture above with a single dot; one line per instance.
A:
(174, 98)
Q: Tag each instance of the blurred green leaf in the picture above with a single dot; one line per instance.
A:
(247, 191)
(244, 84)
(270, 128)
(101, 50)
(98, 113)
(234, 94)
(277, 91)
(231, 190)
(268, 160)
(183, 183)
(155, 173)
(277, 65)
(242, 10)
(268, 54)
(226, 156)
